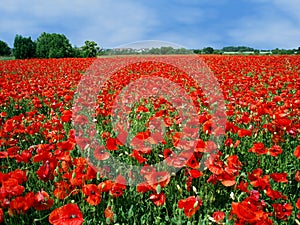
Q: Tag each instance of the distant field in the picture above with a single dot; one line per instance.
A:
(235, 161)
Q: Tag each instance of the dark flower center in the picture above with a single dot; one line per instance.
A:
(73, 216)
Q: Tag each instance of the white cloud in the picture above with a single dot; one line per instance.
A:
(275, 25)
(106, 22)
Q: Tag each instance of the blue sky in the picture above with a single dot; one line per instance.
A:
(262, 24)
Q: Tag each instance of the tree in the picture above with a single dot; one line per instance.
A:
(90, 49)
(4, 49)
(53, 46)
(208, 50)
(24, 48)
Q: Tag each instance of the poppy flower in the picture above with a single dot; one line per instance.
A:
(158, 178)
(244, 132)
(118, 186)
(111, 144)
(297, 152)
(247, 211)
(42, 201)
(282, 211)
(109, 214)
(258, 148)
(190, 205)
(279, 177)
(275, 150)
(105, 186)
(69, 214)
(297, 176)
(101, 153)
(136, 154)
(62, 190)
(273, 194)
(298, 204)
(92, 193)
(218, 216)
(158, 199)
(243, 186)
(1, 216)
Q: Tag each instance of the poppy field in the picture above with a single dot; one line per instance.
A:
(82, 154)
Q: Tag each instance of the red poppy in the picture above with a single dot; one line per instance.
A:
(243, 133)
(111, 144)
(298, 204)
(109, 214)
(62, 190)
(12, 188)
(218, 216)
(66, 116)
(69, 214)
(273, 194)
(297, 176)
(214, 164)
(42, 201)
(279, 177)
(243, 186)
(136, 154)
(100, 153)
(118, 186)
(282, 211)
(190, 205)
(105, 186)
(275, 150)
(1, 216)
(247, 211)
(93, 194)
(297, 152)
(158, 178)
(21, 204)
(258, 148)
(158, 199)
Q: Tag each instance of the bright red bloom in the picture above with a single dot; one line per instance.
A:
(62, 190)
(297, 176)
(42, 201)
(282, 211)
(247, 211)
(275, 150)
(105, 186)
(158, 199)
(109, 214)
(92, 193)
(136, 154)
(273, 194)
(279, 177)
(218, 216)
(69, 214)
(1, 216)
(21, 204)
(101, 153)
(258, 148)
(12, 188)
(190, 205)
(298, 204)
(118, 186)
(158, 178)
(111, 144)
(297, 152)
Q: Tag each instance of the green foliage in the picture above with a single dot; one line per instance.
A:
(53, 46)
(24, 48)
(4, 49)
(90, 49)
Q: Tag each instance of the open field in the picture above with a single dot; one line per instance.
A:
(237, 164)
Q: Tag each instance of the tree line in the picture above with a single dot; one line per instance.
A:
(58, 46)
(245, 50)
(48, 46)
